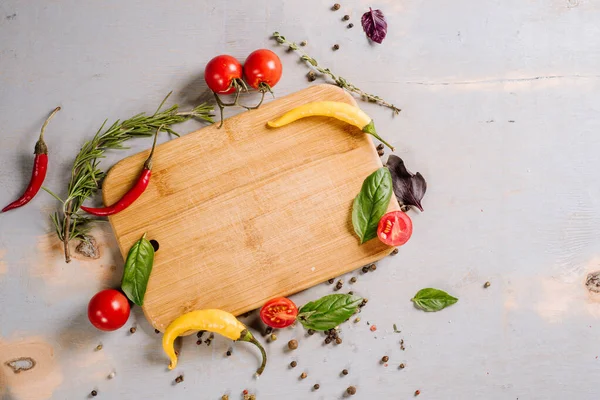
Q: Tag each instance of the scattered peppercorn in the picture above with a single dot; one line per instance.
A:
(357, 319)
(303, 43)
(365, 269)
(404, 208)
(245, 391)
(339, 284)
(311, 332)
(373, 328)
(228, 353)
(225, 397)
(336, 46)
(402, 366)
(350, 25)
(111, 375)
(336, 7)
(487, 285)
(177, 353)
(380, 147)
(198, 342)
(293, 364)
(344, 372)
(338, 341)
(385, 359)
(394, 252)
(303, 375)
(199, 334)
(373, 267)
(316, 386)
(311, 76)
(351, 293)
(268, 330)
(345, 17)
(417, 392)
(351, 390)
(327, 340)
(156, 331)
(330, 281)
(353, 279)
(94, 393)
(179, 379)
(99, 347)
(380, 153)
(273, 337)
(132, 330)
(293, 344)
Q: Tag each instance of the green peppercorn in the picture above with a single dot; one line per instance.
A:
(99, 347)
(273, 337)
(303, 43)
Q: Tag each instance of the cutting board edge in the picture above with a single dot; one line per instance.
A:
(351, 267)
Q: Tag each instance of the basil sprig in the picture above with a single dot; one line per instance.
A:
(138, 267)
(431, 300)
(329, 311)
(371, 203)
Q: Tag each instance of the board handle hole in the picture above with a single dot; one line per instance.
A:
(154, 244)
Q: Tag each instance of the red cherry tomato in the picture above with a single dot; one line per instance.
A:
(394, 228)
(279, 312)
(220, 72)
(262, 67)
(108, 310)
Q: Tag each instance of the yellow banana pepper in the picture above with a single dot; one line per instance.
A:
(342, 111)
(216, 321)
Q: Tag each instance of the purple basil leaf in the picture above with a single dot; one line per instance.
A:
(409, 188)
(374, 24)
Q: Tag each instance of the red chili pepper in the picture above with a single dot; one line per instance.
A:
(133, 193)
(40, 166)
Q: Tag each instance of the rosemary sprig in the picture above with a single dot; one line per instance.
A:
(86, 175)
(341, 82)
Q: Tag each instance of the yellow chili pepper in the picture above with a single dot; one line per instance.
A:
(216, 321)
(342, 111)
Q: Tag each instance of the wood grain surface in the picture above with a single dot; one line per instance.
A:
(246, 213)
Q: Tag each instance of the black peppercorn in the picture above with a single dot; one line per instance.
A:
(336, 46)
(394, 252)
(268, 330)
(94, 393)
(336, 7)
(132, 330)
(311, 76)
(380, 153)
(385, 359)
(353, 279)
(327, 340)
(156, 331)
(402, 366)
(330, 281)
(365, 269)
(316, 386)
(311, 332)
(179, 379)
(293, 364)
(350, 25)
(228, 353)
(345, 17)
(344, 372)
(373, 267)
(338, 341)
(487, 285)
(380, 147)
(351, 390)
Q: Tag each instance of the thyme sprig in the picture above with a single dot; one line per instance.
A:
(86, 174)
(341, 82)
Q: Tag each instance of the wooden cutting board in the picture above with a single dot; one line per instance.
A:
(246, 213)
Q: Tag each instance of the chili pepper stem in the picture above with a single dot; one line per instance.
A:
(40, 146)
(246, 336)
(370, 129)
(148, 163)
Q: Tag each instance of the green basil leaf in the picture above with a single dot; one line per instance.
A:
(371, 203)
(433, 299)
(138, 267)
(329, 311)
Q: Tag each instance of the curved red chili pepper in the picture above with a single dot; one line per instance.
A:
(132, 195)
(40, 166)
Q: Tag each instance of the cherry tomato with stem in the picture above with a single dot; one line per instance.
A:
(262, 70)
(279, 312)
(223, 74)
(108, 310)
(394, 228)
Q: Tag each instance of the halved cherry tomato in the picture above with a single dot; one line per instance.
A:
(279, 312)
(221, 72)
(394, 228)
(262, 69)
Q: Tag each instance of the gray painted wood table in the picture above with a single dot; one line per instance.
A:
(501, 114)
